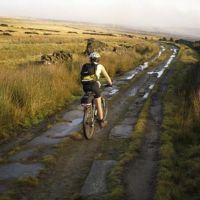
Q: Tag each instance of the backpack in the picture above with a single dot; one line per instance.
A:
(88, 72)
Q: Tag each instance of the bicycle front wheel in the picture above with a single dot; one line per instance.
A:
(89, 122)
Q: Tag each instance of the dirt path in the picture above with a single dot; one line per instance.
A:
(140, 176)
(65, 179)
(76, 158)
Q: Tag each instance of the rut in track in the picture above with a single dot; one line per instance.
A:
(76, 158)
(140, 176)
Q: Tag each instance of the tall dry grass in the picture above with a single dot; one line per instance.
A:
(28, 95)
(28, 92)
(124, 60)
(179, 153)
(196, 103)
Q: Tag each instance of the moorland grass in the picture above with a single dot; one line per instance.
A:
(30, 92)
(178, 176)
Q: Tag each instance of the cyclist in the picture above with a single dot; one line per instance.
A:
(90, 75)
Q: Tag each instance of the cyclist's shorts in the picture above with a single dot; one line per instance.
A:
(92, 86)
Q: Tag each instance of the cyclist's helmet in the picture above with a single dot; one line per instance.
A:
(94, 55)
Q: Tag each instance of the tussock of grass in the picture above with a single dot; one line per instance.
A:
(49, 160)
(28, 182)
(6, 197)
(180, 163)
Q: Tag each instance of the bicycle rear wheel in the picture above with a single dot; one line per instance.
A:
(89, 122)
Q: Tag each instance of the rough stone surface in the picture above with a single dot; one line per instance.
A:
(79, 108)
(121, 131)
(95, 183)
(44, 140)
(119, 83)
(129, 75)
(63, 129)
(141, 92)
(156, 114)
(18, 170)
(132, 113)
(73, 115)
(23, 155)
(3, 188)
(133, 92)
(139, 101)
(56, 57)
(129, 121)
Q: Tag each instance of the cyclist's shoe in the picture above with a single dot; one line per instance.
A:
(103, 123)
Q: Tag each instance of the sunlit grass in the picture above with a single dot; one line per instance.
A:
(179, 152)
(30, 92)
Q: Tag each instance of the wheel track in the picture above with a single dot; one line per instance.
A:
(76, 158)
(140, 174)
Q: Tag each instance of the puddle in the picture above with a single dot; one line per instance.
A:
(131, 75)
(55, 134)
(109, 91)
(144, 66)
(151, 73)
(114, 91)
(151, 86)
(160, 73)
(159, 54)
(133, 92)
(18, 170)
(146, 95)
(129, 121)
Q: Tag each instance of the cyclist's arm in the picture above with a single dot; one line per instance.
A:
(104, 72)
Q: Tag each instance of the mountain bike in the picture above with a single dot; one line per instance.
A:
(90, 113)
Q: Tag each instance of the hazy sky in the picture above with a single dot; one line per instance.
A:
(157, 13)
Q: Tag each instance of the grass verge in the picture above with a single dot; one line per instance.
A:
(180, 164)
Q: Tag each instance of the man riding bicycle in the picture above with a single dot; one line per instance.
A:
(90, 75)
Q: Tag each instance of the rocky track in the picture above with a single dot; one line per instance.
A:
(82, 166)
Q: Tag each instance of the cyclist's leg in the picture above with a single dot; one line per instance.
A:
(97, 91)
(99, 108)
(98, 102)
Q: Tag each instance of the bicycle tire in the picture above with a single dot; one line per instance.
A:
(88, 123)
